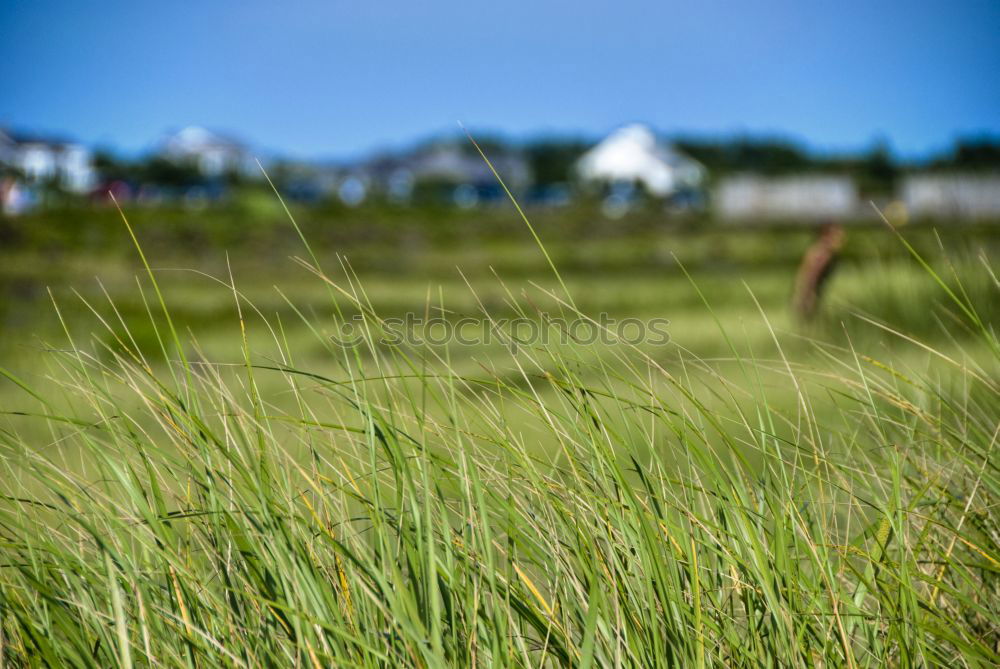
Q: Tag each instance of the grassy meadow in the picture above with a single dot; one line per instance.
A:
(196, 473)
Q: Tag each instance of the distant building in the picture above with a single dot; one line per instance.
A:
(449, 161)
(37, 160)
(962, 196)
(633, 155)
(804, 198)
(453, 171)
(214, 154)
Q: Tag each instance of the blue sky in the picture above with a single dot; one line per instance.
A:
(338, 78)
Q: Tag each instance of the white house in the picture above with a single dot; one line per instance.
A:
(39, 159)
(634, 155)
(805, 198)
(214, 154)
(962, 196)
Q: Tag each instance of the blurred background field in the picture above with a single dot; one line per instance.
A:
(707, 280)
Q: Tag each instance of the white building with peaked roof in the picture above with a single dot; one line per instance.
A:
(634, 155)
(213, 153)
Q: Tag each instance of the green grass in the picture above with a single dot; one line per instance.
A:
(205, 480)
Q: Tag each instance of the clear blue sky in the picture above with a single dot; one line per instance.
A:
(329, 78)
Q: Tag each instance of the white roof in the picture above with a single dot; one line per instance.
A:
(193, 139)
(633, 153)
